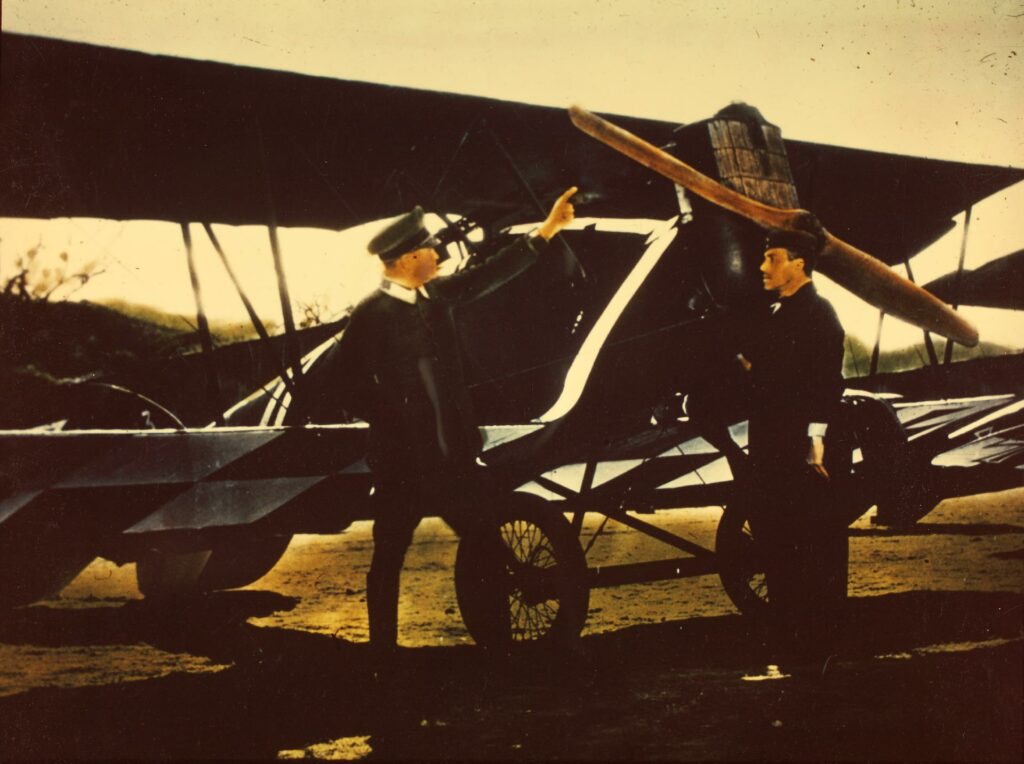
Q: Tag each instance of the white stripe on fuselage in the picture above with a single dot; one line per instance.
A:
(660, 234)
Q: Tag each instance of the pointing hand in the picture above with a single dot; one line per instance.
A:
(562, 213)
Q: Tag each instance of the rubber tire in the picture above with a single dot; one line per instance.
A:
(739, 571)
(549, 533)
(888, 476)
(242, 563)
(55, 561)
(864, 422)
(162, 576)
(229, 566)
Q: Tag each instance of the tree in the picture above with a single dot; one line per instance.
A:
(36, 279)
(318, 311)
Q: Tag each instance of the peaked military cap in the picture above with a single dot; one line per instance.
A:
(405, 233)
(800, 243)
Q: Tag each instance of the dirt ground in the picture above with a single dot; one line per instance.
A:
(930, 665)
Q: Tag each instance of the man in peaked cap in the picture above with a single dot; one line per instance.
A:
(398, 367)
(795, 362)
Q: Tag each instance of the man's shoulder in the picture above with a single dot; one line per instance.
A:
(823, 303)
(369, 301)
(810, 299)
(824, 312)
(369, 312)
(376, 302)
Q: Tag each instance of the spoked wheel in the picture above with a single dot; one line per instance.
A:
(740, 567)
(529, 590)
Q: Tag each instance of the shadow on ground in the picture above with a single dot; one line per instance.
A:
(670, 690)
(940, 529)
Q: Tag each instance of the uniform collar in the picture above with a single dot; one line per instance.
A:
(803, 293)
(399, 292)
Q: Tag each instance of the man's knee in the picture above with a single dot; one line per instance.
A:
(392, 535)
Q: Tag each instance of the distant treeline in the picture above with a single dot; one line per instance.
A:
(857, 361)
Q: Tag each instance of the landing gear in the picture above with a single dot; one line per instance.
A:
(38, 558)
(740, 567)
(533, 589)
(889, 475)
(227, 566)
(36, 570)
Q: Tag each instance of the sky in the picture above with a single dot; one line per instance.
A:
(936, 79)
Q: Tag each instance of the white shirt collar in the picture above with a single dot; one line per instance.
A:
(399, 292)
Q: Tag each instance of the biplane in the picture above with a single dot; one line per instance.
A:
(576, 367)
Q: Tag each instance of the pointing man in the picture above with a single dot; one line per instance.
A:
(398, 367)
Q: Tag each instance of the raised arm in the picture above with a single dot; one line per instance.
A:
(498, 270)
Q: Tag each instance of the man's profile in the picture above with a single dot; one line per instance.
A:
(794, 360)
(398, 366)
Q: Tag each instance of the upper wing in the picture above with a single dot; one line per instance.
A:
(93, 131)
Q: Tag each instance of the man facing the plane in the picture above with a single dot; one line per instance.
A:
(795, 364)
(398, 367)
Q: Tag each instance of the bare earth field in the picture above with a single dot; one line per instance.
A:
(930, 666)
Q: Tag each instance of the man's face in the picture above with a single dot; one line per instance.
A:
(778, 271)
(421, 264)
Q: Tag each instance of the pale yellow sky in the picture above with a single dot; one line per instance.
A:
(939, 79)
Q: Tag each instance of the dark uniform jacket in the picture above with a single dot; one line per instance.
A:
(398, 367)
(796, 356)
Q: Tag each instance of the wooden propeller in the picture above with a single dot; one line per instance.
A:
(857, 271)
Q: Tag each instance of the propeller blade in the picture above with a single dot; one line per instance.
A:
(863, 275)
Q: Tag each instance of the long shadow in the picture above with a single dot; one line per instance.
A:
(941, 529)
(285, 689)
(168, 624)
(1016, 554)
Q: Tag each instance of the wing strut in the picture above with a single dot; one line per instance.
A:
(876, 350)
(457, 230)
(290, 341)
(533, 196)
(212, 381)
(933, 358)
(257, 324)
(948, 355)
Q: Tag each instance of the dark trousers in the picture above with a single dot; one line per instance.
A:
(458, 496)
(804, 545)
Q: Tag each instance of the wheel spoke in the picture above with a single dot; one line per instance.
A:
(551, 612)
(519, 541)
(532, 582)
(548, 560)
(517, 617)
(531, 624)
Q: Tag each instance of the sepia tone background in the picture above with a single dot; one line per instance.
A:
(932, 662)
